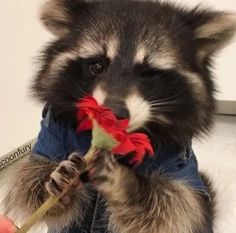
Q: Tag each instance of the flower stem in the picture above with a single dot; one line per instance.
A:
(52, 200)
(90, 154)
(49, 203)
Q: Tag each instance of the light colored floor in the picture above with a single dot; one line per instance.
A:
(217, 156)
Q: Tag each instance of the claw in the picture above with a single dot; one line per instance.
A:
(60, 179)
(78, 160)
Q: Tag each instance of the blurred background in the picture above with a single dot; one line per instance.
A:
(21, 38)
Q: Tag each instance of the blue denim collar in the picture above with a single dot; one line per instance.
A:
(57, 139)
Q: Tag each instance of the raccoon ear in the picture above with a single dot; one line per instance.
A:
(59, 16)
(212, 32)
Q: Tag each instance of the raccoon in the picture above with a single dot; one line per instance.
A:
(148, 61)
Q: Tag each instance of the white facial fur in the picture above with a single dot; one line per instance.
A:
(112, 48)
(158, 59)
(99, 94)
(139, 110)
(89, 48)
(140, 55)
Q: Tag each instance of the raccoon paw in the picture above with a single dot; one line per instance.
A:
(102, 170)
(61, 177)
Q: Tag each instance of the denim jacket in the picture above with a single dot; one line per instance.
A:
(58, 139)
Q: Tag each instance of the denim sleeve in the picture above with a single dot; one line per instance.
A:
(175, 164)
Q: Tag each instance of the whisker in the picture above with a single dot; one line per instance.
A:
(158, 120)
(147, 130)
(164, 103)
(169, 97)
(161, 109)
(81, 91)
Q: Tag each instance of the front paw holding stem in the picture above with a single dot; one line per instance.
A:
(104, 172)
(66, 178)
(102, 169)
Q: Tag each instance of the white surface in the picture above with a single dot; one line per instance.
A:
(21, 37)
(217, 157)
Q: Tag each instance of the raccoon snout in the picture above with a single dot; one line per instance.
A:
(118, 107)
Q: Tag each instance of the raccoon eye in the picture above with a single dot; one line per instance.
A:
(97, 67)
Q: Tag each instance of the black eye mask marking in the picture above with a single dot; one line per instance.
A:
(145, 70)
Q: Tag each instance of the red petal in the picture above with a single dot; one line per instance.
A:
(139, 155)
(142, 139)
(124, 148)
(88, 101)
(142, 145)
(84, 125)
(123, 124)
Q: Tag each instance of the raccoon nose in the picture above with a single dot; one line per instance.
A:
(118, 108)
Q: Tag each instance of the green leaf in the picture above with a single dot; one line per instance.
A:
(101, 139)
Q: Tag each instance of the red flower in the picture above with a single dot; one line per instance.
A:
(88, 109)
(126, 146)
(142, 145)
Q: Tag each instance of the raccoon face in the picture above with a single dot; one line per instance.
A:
(147, 61)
